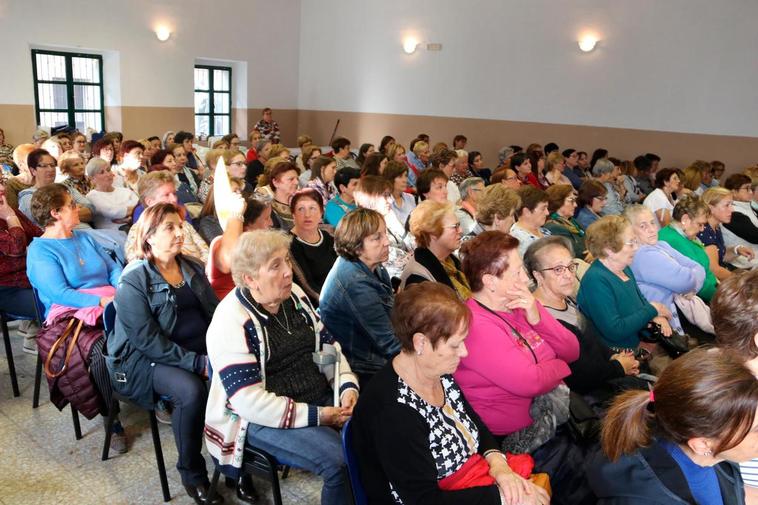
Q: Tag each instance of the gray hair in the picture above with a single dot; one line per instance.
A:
(602, 167)
(533, 254)
(253, 250)
(462, 153)
(165, 138)
(632, 212)
(40, 134)
(94, 166)
(503, 154)
(261, 144)
(467, 184)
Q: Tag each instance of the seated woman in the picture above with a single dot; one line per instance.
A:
(517, 352)
(608, 294)
(735, 316)
(508, 326)
(71, 164)
(445, 161)
(661, 271)
(184, 192)
(375, 164)
(323, 171)
(592, 198)
(471, 190)
(212, 158)
(132, 166)
(265, 383)
(375, 193)
(16, 298)
(561, 204)
(403, 203)
(345, 180)
(554, 166)
(312, 249)
(689, 217)
(432, 185)
(113, 206)
(437, 232)
(356, 298)
(719, 202)
(164, 305)
(742, 230)
(661, 200)
(186, 174)
(531, 216)
(680, 442)
(414, 433)
(68, 266)
(310, 153)
(495, 210)
(598, 371)
(283, 184)
(160, 187)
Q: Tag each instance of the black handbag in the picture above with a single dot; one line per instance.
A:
(675, 345)
(584, 423)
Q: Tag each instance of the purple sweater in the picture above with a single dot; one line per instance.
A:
(500, 377)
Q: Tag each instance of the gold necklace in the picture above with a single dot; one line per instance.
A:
(78, 253)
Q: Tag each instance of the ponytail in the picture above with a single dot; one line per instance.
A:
(627, 425)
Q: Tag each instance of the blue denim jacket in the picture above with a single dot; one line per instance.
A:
(355, 306)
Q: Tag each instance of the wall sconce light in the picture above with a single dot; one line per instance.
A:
(163, 33)
(409, 45)
(587, 43)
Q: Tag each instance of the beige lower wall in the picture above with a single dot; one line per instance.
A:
(488, 136)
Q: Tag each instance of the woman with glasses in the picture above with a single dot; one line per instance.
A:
(742, 231)
(437, 232)
(599, 370)
(592, 199)
(661, 271)
(561, 203)
(608, 294)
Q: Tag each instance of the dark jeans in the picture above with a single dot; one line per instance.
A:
(17, 301)
(188, 394)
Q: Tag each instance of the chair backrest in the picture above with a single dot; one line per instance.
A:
(351, 461)
(109, 318)
(39, 307)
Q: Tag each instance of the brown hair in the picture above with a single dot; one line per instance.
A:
(734, 309)
(151, 182)
(430, 308)
(426, 220)
(496, 201)
(280, 169)
(705, 393)
(425, 180)
(371, 165)
(605, 233)
(393, 170)
(589, 190)
(487, 253)
(530, 198)
(556, 196)
(735, 181)
(353, 229)
(318, 166)
(370, 187)
(442, 158)
(47, 199)
(308, 194)
(148, 224)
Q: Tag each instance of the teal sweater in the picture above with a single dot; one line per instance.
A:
(617, 308)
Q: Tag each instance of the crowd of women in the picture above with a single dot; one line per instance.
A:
(471, 312)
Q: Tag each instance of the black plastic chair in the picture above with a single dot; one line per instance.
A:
(257, 462)
(5, 318)
(109, 320)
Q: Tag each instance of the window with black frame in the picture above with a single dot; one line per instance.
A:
(68, 89)
(213, 100)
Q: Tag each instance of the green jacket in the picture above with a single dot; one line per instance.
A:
(694, 250)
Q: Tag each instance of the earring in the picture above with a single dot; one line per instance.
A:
(418, 353)
(707, 453)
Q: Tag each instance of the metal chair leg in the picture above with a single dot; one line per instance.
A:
(77, 426)
(214, 483)
(112, 412)
(9, 356)
(285, 472)
(159, 456)
(37, 381)
(275, 489)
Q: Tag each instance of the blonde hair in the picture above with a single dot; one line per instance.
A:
(150, 182)
(605, 233)
(392, 151)
(303, 140)
(426, 220)
(692, 177)
(552, 159)
(277, 150)
(212, 157)
(253, 250)
(714, 196)
(67, 159)
(496, 201)
(419, 147)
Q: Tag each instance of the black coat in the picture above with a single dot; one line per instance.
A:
(651, 476)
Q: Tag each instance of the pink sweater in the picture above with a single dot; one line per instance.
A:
(500, 377)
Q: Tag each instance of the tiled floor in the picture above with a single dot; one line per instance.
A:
(41, 463)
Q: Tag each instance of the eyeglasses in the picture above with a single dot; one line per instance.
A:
(456, 226)
(571, 199)
(749, 189)
(46, 165)
(238, 163)
(632, 243)
(603, 198)
(561, 269)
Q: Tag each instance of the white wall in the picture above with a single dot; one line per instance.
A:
(262, 33)
(674, 65)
